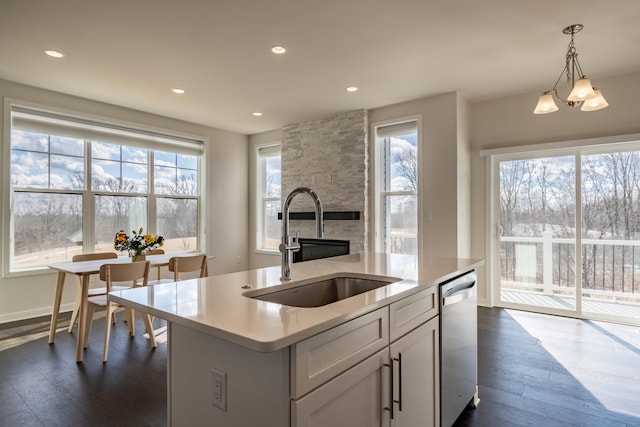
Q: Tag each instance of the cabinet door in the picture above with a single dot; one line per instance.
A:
(355, 398)
(416, 363)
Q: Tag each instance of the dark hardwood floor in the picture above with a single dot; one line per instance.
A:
(534, 370)
(42, 385)
(539, 370)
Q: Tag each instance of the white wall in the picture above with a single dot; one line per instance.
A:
(226, 198)
(508, 122)
(464, 178)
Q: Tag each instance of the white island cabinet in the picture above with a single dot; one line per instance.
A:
(340, 377)
(396, 386)
(368, 360)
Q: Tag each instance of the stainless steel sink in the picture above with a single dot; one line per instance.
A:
(324, 291)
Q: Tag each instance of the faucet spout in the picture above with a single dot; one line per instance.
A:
(288, 246)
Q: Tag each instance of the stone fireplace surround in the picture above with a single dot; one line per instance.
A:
(330, 156)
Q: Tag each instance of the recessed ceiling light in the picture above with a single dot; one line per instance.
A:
(352, 89)
(54, 53)
(279, 50)
(177, 90)
(257, 114)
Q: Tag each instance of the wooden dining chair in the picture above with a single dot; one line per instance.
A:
(134, 273)
(185, 264)
(92, 291)
(156, 252)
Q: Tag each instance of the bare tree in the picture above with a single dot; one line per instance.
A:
(178, 216)
(512, 176)
(407, 161)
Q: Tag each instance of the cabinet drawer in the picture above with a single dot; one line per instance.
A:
(411, 312)
(321, 357)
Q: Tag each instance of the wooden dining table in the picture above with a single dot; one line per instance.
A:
(83, 271)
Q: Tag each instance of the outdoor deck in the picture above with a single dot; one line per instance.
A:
(589, 305)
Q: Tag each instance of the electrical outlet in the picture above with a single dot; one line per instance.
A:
(219, 389)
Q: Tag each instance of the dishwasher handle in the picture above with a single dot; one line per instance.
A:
(458, 293)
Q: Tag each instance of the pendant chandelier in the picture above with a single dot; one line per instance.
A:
(582, 94)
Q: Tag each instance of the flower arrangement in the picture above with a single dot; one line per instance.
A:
(138, 243)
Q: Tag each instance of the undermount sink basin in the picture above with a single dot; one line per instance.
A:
(324, 291)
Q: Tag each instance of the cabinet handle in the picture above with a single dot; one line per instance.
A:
(391, 383)
(399, 360)
(390, 389)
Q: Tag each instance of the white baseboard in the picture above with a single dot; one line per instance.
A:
(483, 302)
(30, 314)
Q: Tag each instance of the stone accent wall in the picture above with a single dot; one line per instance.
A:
(329, 155)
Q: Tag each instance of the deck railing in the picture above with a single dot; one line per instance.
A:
(403, 243)
(610, 268)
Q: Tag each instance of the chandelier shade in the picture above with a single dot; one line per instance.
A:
(546, 104)
(596, 103)
(582, 90)
(582, 94)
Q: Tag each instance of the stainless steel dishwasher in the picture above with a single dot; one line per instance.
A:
(458, 346)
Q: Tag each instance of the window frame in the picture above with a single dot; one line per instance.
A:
(261, 199)
(88, 194)
(379, 156)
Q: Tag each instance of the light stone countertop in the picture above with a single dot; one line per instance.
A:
(216, 305)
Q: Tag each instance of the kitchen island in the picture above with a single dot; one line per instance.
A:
(235, 360)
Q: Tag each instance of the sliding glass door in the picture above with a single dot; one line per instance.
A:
(611, 235)
(537, 232)
(568, 238)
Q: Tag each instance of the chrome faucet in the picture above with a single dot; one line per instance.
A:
(288, 245)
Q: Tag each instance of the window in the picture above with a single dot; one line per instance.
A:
(74, 182)
(397, 188)
(269, 184)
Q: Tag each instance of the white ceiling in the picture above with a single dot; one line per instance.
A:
(132, 52)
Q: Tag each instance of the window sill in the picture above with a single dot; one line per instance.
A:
(35, 271)
(267, 252)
